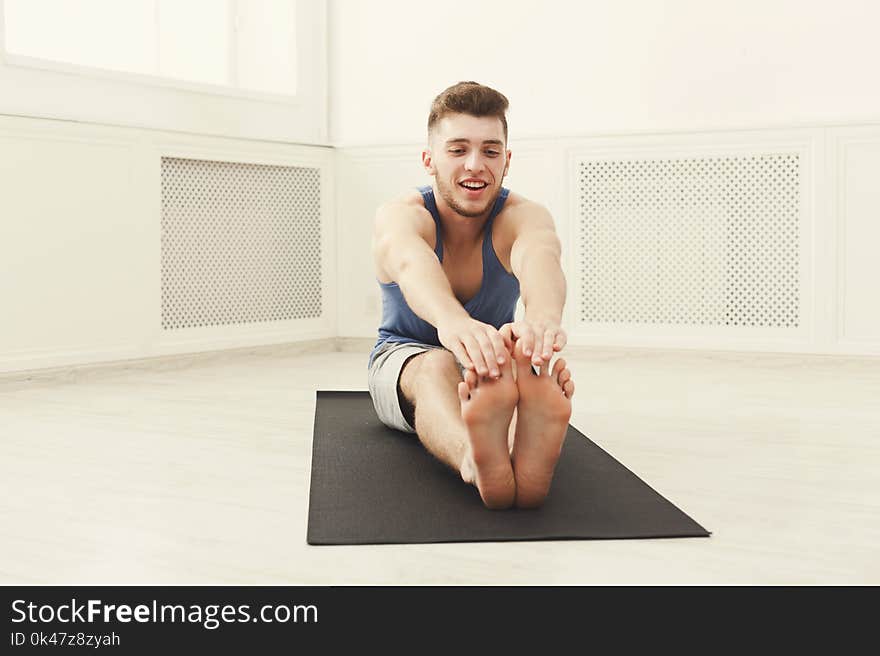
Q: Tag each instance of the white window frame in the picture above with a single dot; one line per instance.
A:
(157, 81)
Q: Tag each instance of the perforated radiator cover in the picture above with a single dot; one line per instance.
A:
(241, 243)
(696, 241)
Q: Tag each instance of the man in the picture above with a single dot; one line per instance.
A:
(451, 365)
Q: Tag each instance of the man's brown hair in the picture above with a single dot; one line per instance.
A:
(469, 98)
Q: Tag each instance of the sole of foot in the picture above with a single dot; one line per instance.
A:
(543, 411)
(487, 405)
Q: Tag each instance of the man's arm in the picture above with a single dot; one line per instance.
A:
(401, 249)
(535, 260)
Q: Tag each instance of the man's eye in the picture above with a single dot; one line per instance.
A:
(493, 153)
(456, 151)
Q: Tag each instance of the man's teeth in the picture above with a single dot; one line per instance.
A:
(473, 185)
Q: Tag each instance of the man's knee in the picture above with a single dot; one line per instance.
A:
(440, 364)
(433, 365)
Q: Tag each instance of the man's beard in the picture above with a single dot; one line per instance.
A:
(448, 194)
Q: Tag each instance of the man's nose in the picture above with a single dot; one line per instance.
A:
(473, 162)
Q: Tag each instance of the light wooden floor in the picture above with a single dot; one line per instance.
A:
(198, 472)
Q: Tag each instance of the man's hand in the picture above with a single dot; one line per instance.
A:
(477, 345)
(541, 338)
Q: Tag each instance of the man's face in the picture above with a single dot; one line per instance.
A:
(468, 158)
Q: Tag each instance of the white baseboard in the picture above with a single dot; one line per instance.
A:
(162, 362)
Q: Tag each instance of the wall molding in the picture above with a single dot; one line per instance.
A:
(841, 143)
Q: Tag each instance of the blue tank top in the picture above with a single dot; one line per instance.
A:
(494, 303)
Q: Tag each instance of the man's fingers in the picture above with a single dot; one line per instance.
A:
(501, 349)
(487, 347)
(537, 346)
(549, 340)
(460, 353)
(540, 341)
(483, 348)
(528, 339)
(476, 354)
(561, 341)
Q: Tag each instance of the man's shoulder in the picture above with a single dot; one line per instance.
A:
(410, 198)
(518, 203)
(519, 211)
(404, 211)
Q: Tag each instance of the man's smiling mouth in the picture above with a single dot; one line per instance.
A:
(473, 187)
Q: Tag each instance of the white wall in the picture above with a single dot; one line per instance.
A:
(634, 79)
(123, 99)
(81, 244)
(587, 67)
(79, 204)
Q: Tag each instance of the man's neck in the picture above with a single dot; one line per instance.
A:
(460, 233)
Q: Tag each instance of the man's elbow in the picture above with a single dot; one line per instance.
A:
(543, 254)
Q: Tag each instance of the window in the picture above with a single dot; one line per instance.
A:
(233, 47)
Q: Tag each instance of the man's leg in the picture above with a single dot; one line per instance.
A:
(465, 425)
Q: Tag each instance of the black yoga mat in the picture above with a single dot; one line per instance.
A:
(374, 485)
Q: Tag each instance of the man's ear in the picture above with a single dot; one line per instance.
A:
(507, 166)
(428, 161)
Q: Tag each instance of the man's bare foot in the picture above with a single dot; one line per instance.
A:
(487, 406)
(543, 412)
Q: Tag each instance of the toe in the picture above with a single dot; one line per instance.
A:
(506, 368)
(568, 389)
(518, 354)
(558, 367)
(470, 379)
(463, 392)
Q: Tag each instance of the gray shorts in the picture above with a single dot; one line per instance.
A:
(383, 378)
